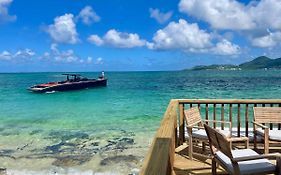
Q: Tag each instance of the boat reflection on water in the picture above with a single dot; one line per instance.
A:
(72, 82)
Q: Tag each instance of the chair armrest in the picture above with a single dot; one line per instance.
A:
(263, 156)
(260, 125)
(219, 121)
(193, 125)
(237, 139)
(216, 121)
(198, 127)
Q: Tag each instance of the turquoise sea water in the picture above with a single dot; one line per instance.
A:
(103, 129)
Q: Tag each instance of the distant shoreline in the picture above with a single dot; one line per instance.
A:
(259, 63)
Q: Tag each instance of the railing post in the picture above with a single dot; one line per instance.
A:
(238, 120)
(279, 125)
(222, 116)
(181, 124)
(214, 114)
(160, 157)
(247, 119)
(206, 113)
(176, 139)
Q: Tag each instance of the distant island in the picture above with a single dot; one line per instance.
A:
(261, 62)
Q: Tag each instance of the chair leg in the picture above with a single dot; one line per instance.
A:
(266, 148)
(266, 141)
(278, 166)
(190, 146)
(230, 145)
(255, 141)
(214, 167)
(246, 144)
(255, 137)
(203, 146)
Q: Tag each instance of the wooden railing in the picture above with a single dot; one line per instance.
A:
(160, 157)
(237, 111)
(171, 133)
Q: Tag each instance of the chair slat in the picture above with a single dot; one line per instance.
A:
(247, 119)
(222, 116)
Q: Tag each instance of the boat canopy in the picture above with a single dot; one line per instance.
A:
(75, 77)
(72, 74)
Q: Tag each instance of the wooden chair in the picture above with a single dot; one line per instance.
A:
(196, 131)
(263, 116)
(242, 161)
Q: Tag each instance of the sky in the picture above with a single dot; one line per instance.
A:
(135, 35)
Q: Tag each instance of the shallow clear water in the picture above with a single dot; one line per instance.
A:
(106, 128)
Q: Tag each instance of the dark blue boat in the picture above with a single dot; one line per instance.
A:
(72, 82)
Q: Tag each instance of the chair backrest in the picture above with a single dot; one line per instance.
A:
(192, 116)
(218, 141)
(267, 114)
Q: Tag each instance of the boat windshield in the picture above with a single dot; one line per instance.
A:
(74, 78)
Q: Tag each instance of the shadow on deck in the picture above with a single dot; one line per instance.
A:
(201, 163)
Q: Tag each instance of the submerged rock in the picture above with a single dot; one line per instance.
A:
(70, 161)
(3, 171)
(125, 140)
(118, 144)
(7, 153)
(64, 136)
(54, 148)
(10, 133)
(61, 147)
(119, 159)
(35, 132)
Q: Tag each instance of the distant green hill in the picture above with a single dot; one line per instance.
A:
(216, 67)
(261, 62)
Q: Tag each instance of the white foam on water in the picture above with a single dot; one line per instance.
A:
(50, 92)
(68, 172)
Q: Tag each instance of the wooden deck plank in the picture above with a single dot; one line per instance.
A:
(200, 165)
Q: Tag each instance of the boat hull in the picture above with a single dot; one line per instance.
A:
(71, 86)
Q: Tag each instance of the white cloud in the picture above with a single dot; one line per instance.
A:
(26, 53)
(269, 40)
(117, 39)
(221, 14)
(88, 15)
(160, 17)
(4, 12)
(188, 37)
(266, 13)
(253, 19)
(99, 60)
(67, 56)
(181, 35)
(234, 15)
(64, 56)
(226, 48)
(20, 54)
(96, 40)
(89, 60)
(63, 30)
(5, 55)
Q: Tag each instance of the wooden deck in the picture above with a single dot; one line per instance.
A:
(200, 164)
(168, 154)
